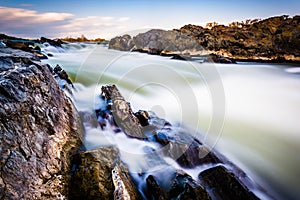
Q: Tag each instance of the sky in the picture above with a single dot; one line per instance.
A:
(107, 19)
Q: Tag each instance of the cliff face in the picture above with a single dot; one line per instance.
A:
(276, 38)
(39, 130)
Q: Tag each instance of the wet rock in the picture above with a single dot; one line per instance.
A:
(185, 149)
(181, 57)
(100, 174)
(26, 45)
(143, 117)
(63, 79)
(216, 58)
(40, 130)
(182, 186)
(56, 43)
(122, 113)
(223, 184)
(122, 43)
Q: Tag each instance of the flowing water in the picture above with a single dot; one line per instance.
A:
(249, 112)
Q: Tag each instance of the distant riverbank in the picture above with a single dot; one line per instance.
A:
(274, 40)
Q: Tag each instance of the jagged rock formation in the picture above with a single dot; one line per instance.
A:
(274, 39)
(100, 174)
(175, 143)
(40, 130)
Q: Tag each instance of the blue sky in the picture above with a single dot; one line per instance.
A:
(106, 19)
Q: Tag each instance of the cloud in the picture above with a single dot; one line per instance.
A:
(123, 19)
(30, 23)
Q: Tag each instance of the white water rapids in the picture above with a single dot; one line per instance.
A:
(249, 112)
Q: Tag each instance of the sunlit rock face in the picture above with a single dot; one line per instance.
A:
(39, 130)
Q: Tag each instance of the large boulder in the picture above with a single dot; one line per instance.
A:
(157, 42)
(40, 130)
(100, 174)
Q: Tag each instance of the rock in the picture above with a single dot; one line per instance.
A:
(100, 174)
(182, 147)
(18, 56)
(26, 45)
(63, 79)
(143, 117)
(216, 58)
(122, 113)
(2, 44)
(269, 39)
(40, 130)
(56, 43)
(182, 186)
(181, 57)
(157, 42)
(20, 44)
(223, 184)
(122, 43)
(274, 39)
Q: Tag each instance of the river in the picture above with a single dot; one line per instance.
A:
(248, 112)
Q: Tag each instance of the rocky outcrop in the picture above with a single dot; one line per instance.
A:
(29, 45)
(274, 39)
(100, 174)
(55, 43)
(157, 42)
(40, 130)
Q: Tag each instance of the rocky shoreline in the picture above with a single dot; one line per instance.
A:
(275, 40)
(43, 157)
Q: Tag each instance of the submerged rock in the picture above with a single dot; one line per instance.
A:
(100, 174)
(40, 130)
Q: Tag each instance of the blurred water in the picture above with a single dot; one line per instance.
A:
(248, 112)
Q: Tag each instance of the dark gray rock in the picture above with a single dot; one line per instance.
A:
(182, 186)
(40, 130)
(223, 184)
